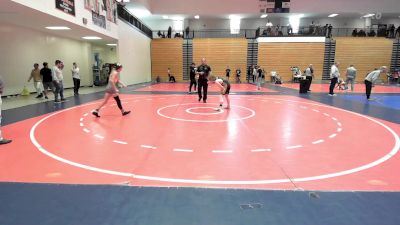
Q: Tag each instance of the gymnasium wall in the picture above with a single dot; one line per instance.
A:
(134, 54)
(23, 47)
(167, 53)
(364, 53)
(220, 53)
(281, 56)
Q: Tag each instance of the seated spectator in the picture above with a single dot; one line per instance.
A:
(354, 34)
(372, 33)
(171, 78)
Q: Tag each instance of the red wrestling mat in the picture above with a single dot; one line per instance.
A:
(184, 87)
(266, 142)
(358, 88)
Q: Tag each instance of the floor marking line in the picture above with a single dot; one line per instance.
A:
(295, 146)
(221, 151)
(98, 136)
(339, 130)
(303, 107)
(86, 114)
(315, 110)
(339, 124)
(81, 124)
(332, 135)
(120, 142)
(261, 150)
(317, 142)
(148, 146)
(334, 118)
(395, 149)
(326, 114)
(81, 119)
(182, 150)
(86, 130)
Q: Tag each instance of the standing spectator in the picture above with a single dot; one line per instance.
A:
(309, 76)
(238, 73)
(354, 33)
(391, 31)
(254, 73)
(397, 32)
(335, 74)
(330, 31)
(204, 71)
(47, 79)
(58, 81)
(249, 72)
(76, 78)
(227, 72)
(259, 77)
(169, 32)
(350, 77)
(289, 30)
(371, 79)
(187, 30)
(326, 30)
(192, 77)
(2, 140)
(37, 80)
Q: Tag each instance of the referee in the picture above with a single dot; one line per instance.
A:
(203, 71)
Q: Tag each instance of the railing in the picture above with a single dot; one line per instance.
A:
(276, 32)
(126, 16)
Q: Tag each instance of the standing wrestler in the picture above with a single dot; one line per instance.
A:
(112, 90)
(203, 71)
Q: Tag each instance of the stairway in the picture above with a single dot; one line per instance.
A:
(329, 58)
(187, 57)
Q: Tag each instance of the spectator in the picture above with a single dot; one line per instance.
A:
(227, 72)
(76, 78)
(171, 77)
(330, 31)
(47, 79)
(259, 77)
(397, 32)
(37, 80)
(249, 72)
(354, 33)
(309, 76)
(169, 32)
(289, 30)
(350, 77)
(238, 73)
(372, 33)
(192, 77)
(2, 140)
(254, 73)
(391, 31)
(58, 81)
(187, 30)
(334, 75)
(371, 79)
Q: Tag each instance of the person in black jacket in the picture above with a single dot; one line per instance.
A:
(203, 71)
(193, 81)
(169, 32)
(47, 79)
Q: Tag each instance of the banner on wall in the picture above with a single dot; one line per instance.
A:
(106, 8)
(274, 6)
(99, 20)
(67, 6)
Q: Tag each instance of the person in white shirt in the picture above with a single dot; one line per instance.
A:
(334, 75)
(76, 78)
(350, 77)
(58, 81)
(2, 140)
(371, 78)
(254, 73)
(309, 76)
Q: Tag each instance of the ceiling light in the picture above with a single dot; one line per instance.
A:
(369, 15)
(264, 16)
(91, 38)
(165, 17)
(123, 0)
(333, 15)
(197, 17)
(140, 13)
(58, 28)
(112, 44)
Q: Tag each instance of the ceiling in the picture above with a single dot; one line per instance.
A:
(16, 14)
(155, 9)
